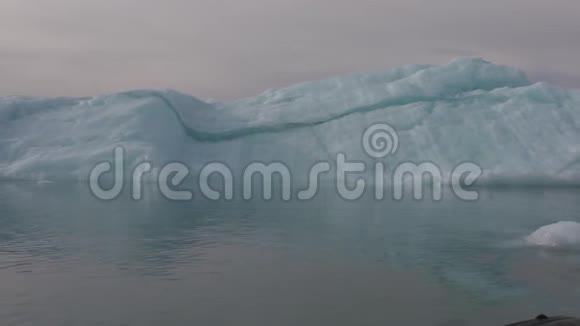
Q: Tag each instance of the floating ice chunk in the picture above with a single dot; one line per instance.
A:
(562, 235)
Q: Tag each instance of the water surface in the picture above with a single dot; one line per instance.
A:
(67, 258)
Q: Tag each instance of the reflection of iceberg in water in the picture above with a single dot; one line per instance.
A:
(467, 110)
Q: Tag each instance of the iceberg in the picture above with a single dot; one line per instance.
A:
(468, 110)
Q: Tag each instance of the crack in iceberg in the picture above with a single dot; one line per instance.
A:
(205, 136)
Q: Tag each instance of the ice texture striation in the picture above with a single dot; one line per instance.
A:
(466, 110)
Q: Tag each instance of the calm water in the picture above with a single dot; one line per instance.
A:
(69, 259)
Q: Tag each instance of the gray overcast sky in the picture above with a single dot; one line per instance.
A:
(225, 49)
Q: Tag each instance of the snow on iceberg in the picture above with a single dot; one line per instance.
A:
(467, 110)
(557, 235)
